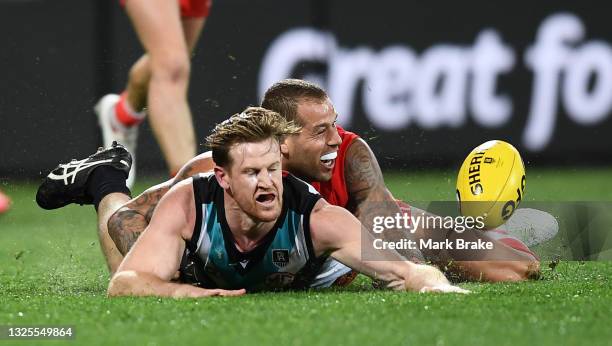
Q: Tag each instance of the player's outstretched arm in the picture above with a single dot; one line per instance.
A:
(155, 257)
(368, 195)
(370, 198)
(128, 222)
(336, 231)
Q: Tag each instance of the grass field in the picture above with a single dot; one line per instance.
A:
(52, 272)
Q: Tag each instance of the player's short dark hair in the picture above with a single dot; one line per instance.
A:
(253, 125)
(283, 97)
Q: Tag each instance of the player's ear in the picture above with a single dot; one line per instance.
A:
(222, 177)
(284, 147)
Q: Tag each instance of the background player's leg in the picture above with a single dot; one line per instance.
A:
(121, 116)
(138, 84)
(158, 24)
(107, 207)
(140, 74)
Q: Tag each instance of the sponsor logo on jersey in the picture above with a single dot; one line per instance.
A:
(280, 258)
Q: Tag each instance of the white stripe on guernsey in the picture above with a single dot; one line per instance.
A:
(330, 272)
(300, 240)
(334, 267)
(203, 230)
(206, 174)
(76, 168)
(311, 189)
(297, 248)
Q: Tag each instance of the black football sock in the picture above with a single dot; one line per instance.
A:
(105, 180)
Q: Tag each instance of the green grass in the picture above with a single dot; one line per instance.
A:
(52, 272)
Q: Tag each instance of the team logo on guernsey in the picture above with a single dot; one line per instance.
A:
(280, 258)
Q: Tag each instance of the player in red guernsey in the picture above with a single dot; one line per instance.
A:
(190, 8)
(334, 190)
(341, 166)
(345, 171)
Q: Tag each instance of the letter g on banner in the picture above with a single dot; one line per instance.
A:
(287, 50)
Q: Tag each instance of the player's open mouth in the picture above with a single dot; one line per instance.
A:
(265, 198)
(329, 159)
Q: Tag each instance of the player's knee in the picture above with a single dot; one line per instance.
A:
(173, 69)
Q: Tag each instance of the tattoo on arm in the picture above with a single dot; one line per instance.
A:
(128, 223)
(368, 194)
(145, 203)
(124, 227)
(362, 173)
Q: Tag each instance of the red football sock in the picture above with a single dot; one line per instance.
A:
(125, 115)
(511, 241)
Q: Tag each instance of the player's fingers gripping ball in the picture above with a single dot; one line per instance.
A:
(491, 183)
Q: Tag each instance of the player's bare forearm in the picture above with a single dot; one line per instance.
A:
(125, 225)
(368, 195)
(132, 283)
(346, 244)
(408, 276)
(393, 271)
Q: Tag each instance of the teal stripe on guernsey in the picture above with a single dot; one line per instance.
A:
(283, 259)
(285, 256)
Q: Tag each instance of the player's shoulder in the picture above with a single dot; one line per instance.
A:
(345, 133)
(298, 194)
(298, 185)
(359, 151)
(205, 187)
(358, 144)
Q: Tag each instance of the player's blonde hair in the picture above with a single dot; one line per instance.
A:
(253, 125)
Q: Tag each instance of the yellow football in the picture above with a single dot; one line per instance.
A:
(491, 183)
